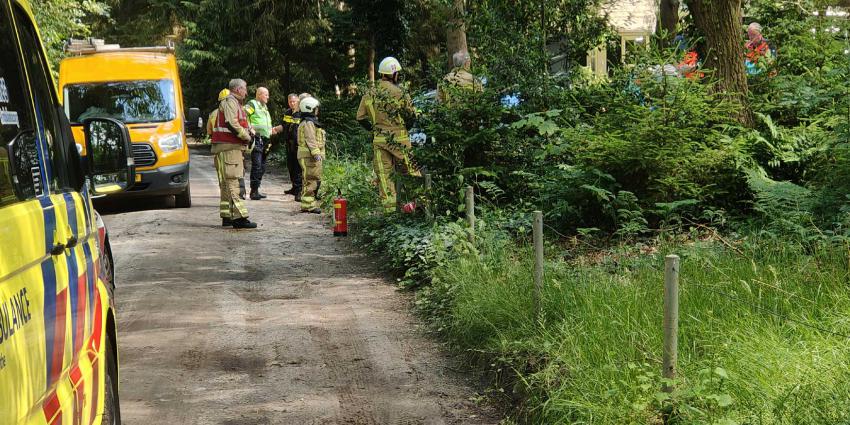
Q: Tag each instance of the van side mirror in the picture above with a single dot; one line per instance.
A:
(192, 115)
(110, 156)
(193, 121)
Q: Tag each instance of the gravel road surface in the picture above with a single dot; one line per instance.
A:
(284, 324)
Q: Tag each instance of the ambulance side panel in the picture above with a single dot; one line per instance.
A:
(53, 304)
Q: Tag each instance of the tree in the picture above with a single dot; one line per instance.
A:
(669, 17)
(719, 21)
(59, 20)
(456, 32)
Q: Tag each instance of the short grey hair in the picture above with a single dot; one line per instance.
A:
(460, 59)
(236, 83)
(262, 89)
(754, 26)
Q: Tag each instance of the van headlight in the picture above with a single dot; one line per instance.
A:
(171, 142)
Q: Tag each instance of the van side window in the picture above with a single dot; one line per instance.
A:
(41, 84)
(15, 119)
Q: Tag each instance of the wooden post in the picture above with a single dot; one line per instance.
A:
(470, 212)
(428, 206)
(538, 263)
(398, 195)
(671, 319)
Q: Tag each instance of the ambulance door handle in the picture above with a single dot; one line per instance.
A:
(58, 249)
(72, 242)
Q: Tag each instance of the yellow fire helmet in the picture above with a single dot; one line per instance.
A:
(222, 94)
(308, 105)
(389, 66)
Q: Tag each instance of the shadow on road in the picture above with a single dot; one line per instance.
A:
(107, 206)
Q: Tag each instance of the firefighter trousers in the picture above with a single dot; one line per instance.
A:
(387, 161)
(311, 180)
(230, 168)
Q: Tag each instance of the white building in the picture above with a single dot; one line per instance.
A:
(634, 20)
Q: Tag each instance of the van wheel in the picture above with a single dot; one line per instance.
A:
(111, 406)
(183, 199)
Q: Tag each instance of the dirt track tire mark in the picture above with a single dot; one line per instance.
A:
(343, 355)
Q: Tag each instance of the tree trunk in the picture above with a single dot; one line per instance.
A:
(669, 18)
(372, 55)
(720, 22)
(456, 31)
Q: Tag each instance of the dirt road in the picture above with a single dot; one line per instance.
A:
(280, 325)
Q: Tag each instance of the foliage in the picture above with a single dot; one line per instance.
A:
(59, 20)
(594, 354)
(606, 155)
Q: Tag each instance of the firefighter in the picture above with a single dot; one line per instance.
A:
(289, 128)
(458, 78)
(385, 110)
(261, 121)
(230, 137)
(223, 208)
(311, 153)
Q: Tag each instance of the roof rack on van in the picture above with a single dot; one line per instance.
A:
(90, 46)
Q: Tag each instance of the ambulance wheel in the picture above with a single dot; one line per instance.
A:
(111, 406)
(183, 199)
(106, 269)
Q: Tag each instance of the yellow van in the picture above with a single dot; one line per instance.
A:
(58, 342)
(141, 88)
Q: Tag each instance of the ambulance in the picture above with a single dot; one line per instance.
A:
(140, 86)
(58, 345)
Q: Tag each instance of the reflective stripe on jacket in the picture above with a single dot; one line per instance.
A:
(384, 106)
(311, 139)
(222, 133)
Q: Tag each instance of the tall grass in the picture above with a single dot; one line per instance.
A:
(762, 334)
(758, 342)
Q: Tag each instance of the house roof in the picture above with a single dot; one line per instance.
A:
(631, 16)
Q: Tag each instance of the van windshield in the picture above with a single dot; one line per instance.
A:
(127, 101)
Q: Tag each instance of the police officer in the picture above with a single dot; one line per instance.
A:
(289, 128)
(311, 153)
(458, 78)
(230, 136)
(384, 110)
(261, 121)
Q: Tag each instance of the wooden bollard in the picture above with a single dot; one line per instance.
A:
(428, 213)
(538, 263)
(671, 320)
(470, 212)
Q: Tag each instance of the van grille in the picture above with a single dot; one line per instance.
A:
(143, 154)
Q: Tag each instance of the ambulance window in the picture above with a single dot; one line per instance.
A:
(41, 83)
(15, 115)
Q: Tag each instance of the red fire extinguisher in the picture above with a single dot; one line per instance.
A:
(340, 215)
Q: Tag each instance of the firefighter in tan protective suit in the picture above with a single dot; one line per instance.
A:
(224, 208)
(385, 110)
(458, 79)
(311, 153)
(230, 136)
